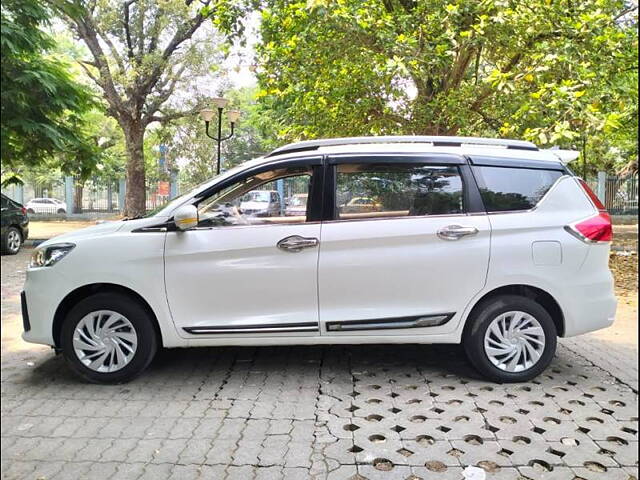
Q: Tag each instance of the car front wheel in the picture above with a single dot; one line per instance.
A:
(510, 339)
(108, 338)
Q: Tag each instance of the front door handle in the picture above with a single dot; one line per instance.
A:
(456, 232)
(296, 243)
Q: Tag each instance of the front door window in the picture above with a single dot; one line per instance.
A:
(258, 200)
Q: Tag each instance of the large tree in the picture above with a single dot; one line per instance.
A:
(559, 72)
(142, 52)
(42, 104)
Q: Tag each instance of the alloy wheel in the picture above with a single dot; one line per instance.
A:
(105, 341)
(13, 241)
(514, 341)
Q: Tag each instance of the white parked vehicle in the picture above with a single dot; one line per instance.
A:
(261, 203)
(494, 244)
(46, 205)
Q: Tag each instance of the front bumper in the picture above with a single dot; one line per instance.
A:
(43, 291)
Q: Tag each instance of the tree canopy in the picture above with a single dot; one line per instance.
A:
(42, 105)
(561, 72)
(142, 52)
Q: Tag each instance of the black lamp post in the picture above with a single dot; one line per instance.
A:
(207, 115)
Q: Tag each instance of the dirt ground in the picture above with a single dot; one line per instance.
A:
(40, 230)
(625, 237)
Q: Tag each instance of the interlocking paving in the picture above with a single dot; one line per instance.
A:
(340, 412)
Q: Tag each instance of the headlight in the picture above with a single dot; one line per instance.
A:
(48, 256)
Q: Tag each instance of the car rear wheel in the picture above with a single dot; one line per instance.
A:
(30, 210)
(61, 210)
(510, 339)
(108, 338)
(12, 241)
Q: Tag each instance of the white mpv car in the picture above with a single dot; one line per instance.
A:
(491, 243)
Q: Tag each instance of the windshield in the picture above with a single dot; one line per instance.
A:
(167, 209)
(257, 196)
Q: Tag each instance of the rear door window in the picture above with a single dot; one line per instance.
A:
(505, 189)
(378, 191)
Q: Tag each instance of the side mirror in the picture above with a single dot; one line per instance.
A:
(186, 217)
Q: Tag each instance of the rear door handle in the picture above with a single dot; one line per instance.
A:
(296, 243)
(456, 232)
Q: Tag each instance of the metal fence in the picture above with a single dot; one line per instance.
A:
(96, 197)
(619, 194)
(40, 199)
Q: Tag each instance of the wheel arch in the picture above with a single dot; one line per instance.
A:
(85, 291)
(542, 297)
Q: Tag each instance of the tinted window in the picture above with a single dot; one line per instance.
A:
(366, 191)
(255, 200)
(507, 189)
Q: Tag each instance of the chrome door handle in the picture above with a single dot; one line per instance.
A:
(296, 243)
(456, 232)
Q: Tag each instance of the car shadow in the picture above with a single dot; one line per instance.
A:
(169, 365)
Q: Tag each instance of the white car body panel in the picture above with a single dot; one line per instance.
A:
(139, 267)
(582, 284)
(363, 269)
(389, 268)
(236, 276)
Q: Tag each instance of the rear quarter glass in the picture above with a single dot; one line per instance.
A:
(505, 189)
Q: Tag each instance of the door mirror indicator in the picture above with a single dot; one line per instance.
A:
(186, 217)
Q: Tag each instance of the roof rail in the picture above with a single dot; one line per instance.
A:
(310, 145)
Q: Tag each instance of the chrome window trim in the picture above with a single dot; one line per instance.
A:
(226, 227)
(408, 217)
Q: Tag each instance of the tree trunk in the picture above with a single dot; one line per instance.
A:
(135, 197)
(77, 196)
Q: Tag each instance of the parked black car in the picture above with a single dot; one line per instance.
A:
(15, 226)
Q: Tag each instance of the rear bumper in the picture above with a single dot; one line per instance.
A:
(589, 306)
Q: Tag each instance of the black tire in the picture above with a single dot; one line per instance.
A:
(61, 210)
(30, 210)
(137, 315)
(477, 325)
(11, 241)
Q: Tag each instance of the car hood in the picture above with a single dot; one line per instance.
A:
(106, 228)
(94, 230)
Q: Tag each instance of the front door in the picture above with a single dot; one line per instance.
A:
(402, 255)
(249, 268)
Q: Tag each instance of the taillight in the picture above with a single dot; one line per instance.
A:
(592, 196)
(596, 229)
(593, 230)
(24, 210)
